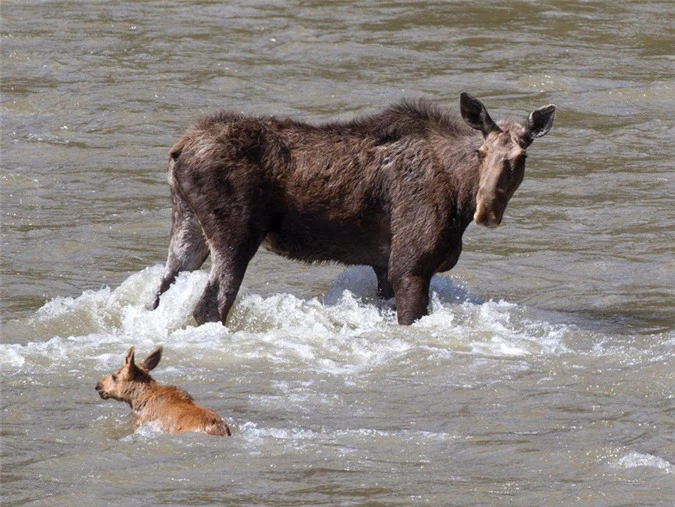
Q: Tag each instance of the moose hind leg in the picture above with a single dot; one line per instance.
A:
(229, 260)
(187, 249)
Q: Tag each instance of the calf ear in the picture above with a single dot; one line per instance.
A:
(129, 364)
(129, 358)
(540, 121)
(474, 113)
(152, 360)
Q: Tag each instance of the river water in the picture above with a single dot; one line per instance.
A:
(544, 374)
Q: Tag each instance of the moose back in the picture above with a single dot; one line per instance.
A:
(394, 190)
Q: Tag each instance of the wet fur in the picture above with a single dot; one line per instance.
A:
(169, 407)
(394, 190)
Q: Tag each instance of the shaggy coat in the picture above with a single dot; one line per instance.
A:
(395, 191)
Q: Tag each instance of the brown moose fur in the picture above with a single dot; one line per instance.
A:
(171, 408)
(395, 191)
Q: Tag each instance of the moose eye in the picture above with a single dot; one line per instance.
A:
(519, 161)
(508, 169)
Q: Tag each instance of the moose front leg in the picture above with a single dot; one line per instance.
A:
(384, 288)
(412, 297)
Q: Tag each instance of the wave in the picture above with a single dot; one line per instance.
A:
(636, 460)
(346, 330)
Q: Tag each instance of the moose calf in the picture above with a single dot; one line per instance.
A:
(171, 408)
(394, 191)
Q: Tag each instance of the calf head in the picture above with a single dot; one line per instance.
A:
(124, 383)
(502, 155)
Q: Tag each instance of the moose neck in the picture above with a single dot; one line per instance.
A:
(464, 166)
(141, 394)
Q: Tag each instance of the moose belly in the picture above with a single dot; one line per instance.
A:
(311, 241)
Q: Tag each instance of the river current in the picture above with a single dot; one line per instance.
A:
(544, 374)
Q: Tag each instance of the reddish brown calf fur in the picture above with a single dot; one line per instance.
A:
(395, 191)
(169, 407)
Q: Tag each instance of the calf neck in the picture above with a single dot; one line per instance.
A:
(395, 190)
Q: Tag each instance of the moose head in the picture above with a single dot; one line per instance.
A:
(124, 383)
(502, 155)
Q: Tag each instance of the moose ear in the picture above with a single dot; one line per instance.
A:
(152, 360)
(474, 113)
(129, 357)
(540, 121)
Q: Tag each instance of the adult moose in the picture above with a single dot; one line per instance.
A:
(395, 191)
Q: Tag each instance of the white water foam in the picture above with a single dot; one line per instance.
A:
(346, 331)
(636, 459)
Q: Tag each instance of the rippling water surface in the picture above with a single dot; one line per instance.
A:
(544, 374)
